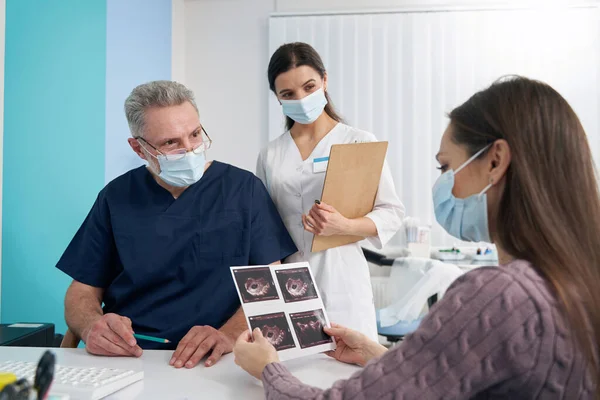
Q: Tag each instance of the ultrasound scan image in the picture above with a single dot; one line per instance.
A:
(296, 284)
(275, 329)
(255, 284)
(309, 328)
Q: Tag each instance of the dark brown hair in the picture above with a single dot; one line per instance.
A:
(292, 55)
(549, 212)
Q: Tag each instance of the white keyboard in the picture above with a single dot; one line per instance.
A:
(78, 382)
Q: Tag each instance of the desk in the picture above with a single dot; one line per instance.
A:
(225, 380)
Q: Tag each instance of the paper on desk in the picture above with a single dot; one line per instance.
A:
(25, 326)
(283, 301)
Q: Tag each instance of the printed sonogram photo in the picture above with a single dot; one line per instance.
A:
(309, 328)
(296, 284)
(275, 329)
(255, 284)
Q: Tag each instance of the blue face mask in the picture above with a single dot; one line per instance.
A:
(183, 172)
(467, 218)
(305, 111)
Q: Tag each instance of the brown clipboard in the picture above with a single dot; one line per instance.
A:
(351, 183)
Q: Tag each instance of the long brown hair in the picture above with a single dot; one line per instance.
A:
(549, 212)
(292, 55)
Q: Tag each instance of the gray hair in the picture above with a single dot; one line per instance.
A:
(154, 94)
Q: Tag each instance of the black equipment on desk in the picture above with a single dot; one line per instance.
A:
(44, 375)
(27, 335)
(377, 259)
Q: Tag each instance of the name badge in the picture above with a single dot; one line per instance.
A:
(320, 164)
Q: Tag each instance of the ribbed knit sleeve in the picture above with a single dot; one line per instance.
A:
(497, 332)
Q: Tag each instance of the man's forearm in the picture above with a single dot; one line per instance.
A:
(235, 325)
(82, 308)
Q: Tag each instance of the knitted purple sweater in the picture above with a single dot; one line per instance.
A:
(497, 333)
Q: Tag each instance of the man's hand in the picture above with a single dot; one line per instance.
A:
(198, 342)
(111, 335)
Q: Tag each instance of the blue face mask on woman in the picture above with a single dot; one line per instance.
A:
(465, 219)
(306, 110)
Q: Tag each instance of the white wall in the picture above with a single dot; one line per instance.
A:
(226, 58)
(220, 50)
(315, 6)
(178, 41)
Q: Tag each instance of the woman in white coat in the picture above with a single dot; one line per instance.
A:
(293, 166)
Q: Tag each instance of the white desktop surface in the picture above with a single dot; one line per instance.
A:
(225, 380)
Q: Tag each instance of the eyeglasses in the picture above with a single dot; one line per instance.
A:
(177, 154)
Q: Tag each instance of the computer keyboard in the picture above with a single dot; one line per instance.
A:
(78, 382)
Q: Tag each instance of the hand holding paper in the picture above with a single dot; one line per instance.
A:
(353, 347)
(282, 304)
(253, 352)
(351, 185)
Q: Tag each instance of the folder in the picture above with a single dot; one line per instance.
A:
(351, 184)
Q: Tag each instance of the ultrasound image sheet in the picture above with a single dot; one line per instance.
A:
(284, 302)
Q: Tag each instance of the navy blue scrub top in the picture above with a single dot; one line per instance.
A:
(164, 262)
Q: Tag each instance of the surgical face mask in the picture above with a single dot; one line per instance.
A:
(465, 219)
(183, 172)
(307, 110)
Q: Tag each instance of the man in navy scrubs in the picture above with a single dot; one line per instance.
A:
(157, 245)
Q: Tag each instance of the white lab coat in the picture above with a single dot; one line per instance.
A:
(341, 273)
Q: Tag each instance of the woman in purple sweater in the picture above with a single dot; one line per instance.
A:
(516, 170)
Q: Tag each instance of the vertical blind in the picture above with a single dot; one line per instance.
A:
(397, 74)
